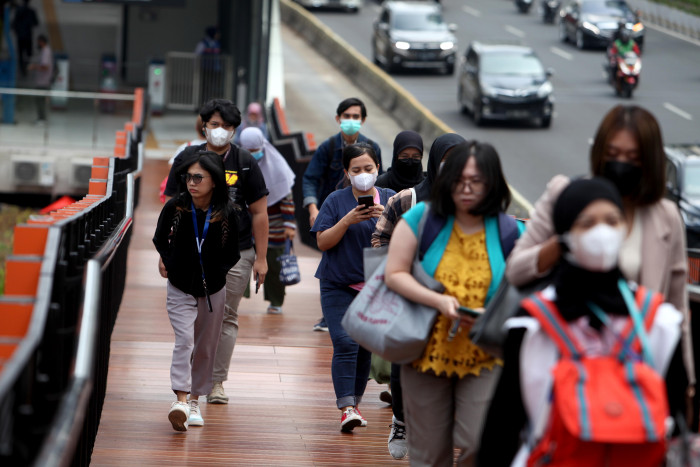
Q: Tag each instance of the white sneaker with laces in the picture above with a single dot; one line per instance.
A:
(178, 415)
(398, 445)
(195, 418)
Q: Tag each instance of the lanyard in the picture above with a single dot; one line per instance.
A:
(199, 246)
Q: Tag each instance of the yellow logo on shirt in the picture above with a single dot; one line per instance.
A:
(231, 177)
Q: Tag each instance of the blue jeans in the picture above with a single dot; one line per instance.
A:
(351, 363)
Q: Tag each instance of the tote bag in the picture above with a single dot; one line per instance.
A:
(387, 324)
(289, 268)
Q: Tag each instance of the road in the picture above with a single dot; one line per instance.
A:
(669, 87)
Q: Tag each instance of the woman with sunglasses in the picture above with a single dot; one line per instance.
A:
(197, 239)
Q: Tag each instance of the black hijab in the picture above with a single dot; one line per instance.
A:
(407, 173)
(576, 286)
(440, 146)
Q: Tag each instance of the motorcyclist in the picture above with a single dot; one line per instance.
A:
(620, 46)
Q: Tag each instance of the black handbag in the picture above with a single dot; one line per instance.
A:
(488, 332)
(289, 268)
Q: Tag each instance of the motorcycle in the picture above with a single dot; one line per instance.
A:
(623, 73)
(549, 9)
(523, 5)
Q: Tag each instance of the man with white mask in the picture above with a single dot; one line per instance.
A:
(247, 189)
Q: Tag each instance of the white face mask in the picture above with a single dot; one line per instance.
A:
(597, 249)
(364, 181)
(219, 137)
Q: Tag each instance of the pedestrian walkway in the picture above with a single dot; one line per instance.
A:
(282, 405)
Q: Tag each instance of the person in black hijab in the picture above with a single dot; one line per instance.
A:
(406, 164)
(406, 169)
(591, 234)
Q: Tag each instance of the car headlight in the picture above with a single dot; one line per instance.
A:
(638, 27)
(488, 91)
(545, 90)
(402, 45)
(447, 45)
(591, 27)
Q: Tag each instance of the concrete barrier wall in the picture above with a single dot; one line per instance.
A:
(408, 112)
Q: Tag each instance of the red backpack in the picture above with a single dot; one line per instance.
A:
(607, 410)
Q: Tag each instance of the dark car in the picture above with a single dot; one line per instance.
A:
(413, 35)
(683, 186)
(505, 82)
(589, 23)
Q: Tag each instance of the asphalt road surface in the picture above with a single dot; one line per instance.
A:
(669, 87)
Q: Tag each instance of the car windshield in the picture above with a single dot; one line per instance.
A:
(419, 21)
(691, 180)
(608, 8)
(511, 64)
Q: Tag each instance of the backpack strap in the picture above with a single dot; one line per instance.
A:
(509, 233)
(431, 228)
(648, 303)
(546, 312)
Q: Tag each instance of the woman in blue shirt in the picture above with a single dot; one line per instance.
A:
(343, 229)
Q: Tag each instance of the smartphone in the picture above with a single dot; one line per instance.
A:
(468, 311)
(368, 201)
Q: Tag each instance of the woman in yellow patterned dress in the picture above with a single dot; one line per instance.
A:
(448, 389)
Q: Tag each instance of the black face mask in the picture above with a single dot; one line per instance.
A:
(409, 168)
(626, 177)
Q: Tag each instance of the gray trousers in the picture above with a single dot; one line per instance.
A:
(196, 336)
(237, 280)
(442, 413)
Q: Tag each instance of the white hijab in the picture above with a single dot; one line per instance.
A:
(279, 177)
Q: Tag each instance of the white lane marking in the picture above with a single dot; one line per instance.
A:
(471, 11)
(514, 31)
(561, 53)
(677, 111)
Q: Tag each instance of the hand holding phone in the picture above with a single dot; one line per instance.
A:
(463, 310)
(257, 283)
(367, 201)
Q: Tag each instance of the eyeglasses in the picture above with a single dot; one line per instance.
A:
(194, 178)
(475, 186)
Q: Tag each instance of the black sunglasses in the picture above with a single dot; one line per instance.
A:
(196, 178)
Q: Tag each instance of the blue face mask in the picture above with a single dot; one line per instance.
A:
(258, 155)
(350, 127)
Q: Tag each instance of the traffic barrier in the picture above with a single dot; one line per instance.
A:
(64, 283)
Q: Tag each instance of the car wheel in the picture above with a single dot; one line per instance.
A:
(580, 40)
(374, 55)
(546, 122)
(562, 32)
(477, 115)
(449, 69)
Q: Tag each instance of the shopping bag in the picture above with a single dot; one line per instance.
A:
(289, 270)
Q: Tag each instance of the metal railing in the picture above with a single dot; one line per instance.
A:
(52, 389)
(193, 79)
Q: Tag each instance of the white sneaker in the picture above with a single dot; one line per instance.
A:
(195, 418)
(217, 394)
(398, 445)
(178, 415)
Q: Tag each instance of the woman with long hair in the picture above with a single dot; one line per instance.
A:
(447, 390)
(197, 240)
